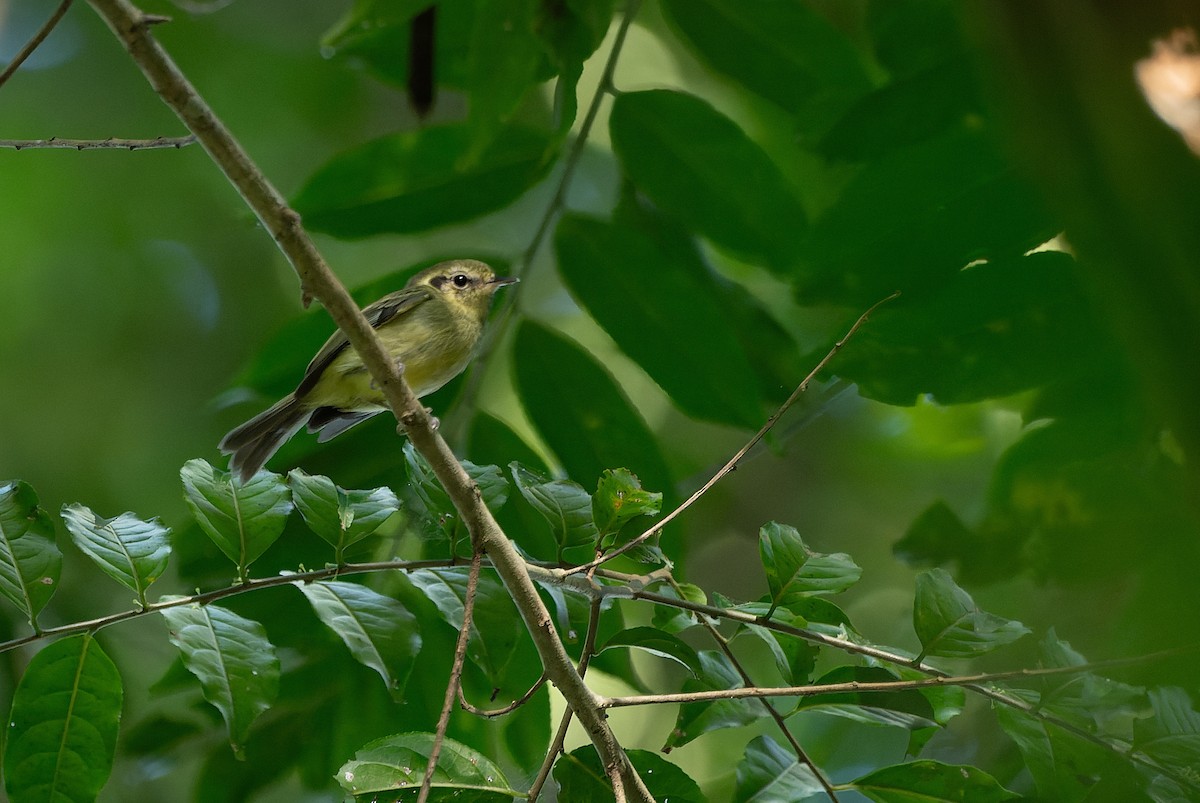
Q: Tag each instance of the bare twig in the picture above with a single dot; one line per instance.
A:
(132, 27)
(780, 720)
(100, 144)
(741, 453)
(33, 43)
(456, 669)
(491, 713)
(560, 735)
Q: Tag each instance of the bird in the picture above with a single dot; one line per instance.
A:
(432, 327)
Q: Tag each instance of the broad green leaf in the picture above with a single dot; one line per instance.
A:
(563, 503)
(794, 571)
(768, 773)
(391, 768)
(905, 709)
(619, 498)
(582, 415)
(1172, 735)
(503, 58)
(233, 660)
(922, 781)
(1108, 704)
(30, 562)
(418, 180)
(493, 486)
(339, 516)
(656, 642)
(242, 519)
(380, 632)
(62, 731)
(131, 551)
(784, 51)
(794, 657)
(949, 624)
(701, 167)
(371, 15)
(936, 536)
(581, 778)
(496, 625)
(697, 719)
(494, 441)
(990, 330)
(665, 310)
(572, 30)
(911, 220)
(811, 612)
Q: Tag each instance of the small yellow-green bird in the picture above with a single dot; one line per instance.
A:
(431, 328)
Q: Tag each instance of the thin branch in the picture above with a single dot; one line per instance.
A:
(492, 713)
(780, 720)
(100, 144)
(456, 669)
(33, 43)
(132, 28)
(560, 735)
(741, 453)
(221, 593)
(509, 302)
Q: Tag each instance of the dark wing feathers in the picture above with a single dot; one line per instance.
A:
(379, 313)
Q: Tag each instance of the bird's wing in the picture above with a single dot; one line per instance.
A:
(385, 309)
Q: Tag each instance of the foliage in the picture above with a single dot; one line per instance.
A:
(807, 161)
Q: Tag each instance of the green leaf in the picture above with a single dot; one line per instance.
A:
(936, 536)
(701, 167)
(656, 642)
(991, 330)
(503, 58)
(583, 416)
(697, 719)
(233, 660)
(62, 731)
(242, 519)
(1172, 736)
(563, 503)
(380, 632)
(905, 709)
(768, 773)
(921, 781)
(494, 441)
(794, 571)
(783, 51)
(949, 624)
(418, 180)
(131, 551)
(30, 562)
(339, 516)
(493, 486)
(619, 498)
(689, 346)
(496, 625)
(674, 620)
(388, 769)
(572, 30)
(581, 778)
(911, 220)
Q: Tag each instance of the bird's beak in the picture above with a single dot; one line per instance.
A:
(501, 281)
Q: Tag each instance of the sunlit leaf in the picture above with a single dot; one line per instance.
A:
(389, 769)
(62, 731)
(623, 276)
(949, 624)
(30, 562)
(243, 519)
(339, 516)
(418, 180)
(581, 778)
(619, 498)
(673, 620)
(700, 166)
(768, 773)
(931, 781)
(233, 660)
(380, 632)
(131, 551)
(794, 571)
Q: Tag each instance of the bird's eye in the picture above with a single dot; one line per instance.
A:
(460, 280)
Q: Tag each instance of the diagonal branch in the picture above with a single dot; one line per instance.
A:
(132, 28)
(34, 42)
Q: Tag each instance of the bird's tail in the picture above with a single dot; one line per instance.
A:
(253, 443)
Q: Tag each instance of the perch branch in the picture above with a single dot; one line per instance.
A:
(132, 28)
(100, 144)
